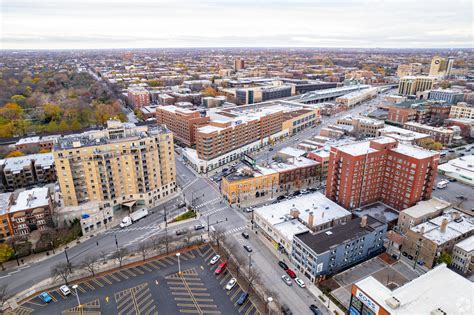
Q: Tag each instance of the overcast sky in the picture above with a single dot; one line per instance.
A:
(235, 23)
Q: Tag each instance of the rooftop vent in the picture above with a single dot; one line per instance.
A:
(438, 311)
(392, 302)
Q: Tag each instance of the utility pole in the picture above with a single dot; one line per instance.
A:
(67, 260)
(116, 242)
(166, 229)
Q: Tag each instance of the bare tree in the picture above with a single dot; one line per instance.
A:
(3, 295)
(90, 264)
(218, 236)
(61, 271)
(103, 256)
(144, 248)
(119, 255)
(156, 242)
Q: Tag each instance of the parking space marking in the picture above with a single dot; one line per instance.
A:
(81, 288)
(91, 307)
(189, 254)
(23, 310)
(211, 254)
(129, 272)
(88, 285)
(225, 278)
(106, 280)
(235, 295)
(161, 263)
(137, 299)
(96, 281)
(206, 252)
(122, 275)
(146, 268)
(170, 261)
(137, 270)
(250, 309)
(194, 293)
(153, 265)
(241, 308)
(149, 311)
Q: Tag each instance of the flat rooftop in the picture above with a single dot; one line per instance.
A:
(323, 241)
(425, 207)
(29, 199)
(17, 164)
(467, 244)
(5, 199)
(439, 288)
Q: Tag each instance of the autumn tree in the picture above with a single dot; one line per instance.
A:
(430, 144)
(11, 111)
(209, 91)
(15, 153)
(6, 252)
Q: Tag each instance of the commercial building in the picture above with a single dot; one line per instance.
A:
(441, 67)
(463, 256)
(182, 122)
(280, 222)
(298, 120)
(32, 210)
(26, 171)
(354, 98)
(361, 126)
(421, 212)
(439, 291)
(211, 102)
(440, 134)
(138, 97)
(462, 110)
(257, 94)
(426, 242)
(124, 164)
(382, 169)
(403, 135)
(321, 254)
(461, 169)
(326, 95)
(419, 111)
(449, 96)
(410, 85)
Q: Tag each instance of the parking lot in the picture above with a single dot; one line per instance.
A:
(152, 287)
(457, 193)
(392, 274)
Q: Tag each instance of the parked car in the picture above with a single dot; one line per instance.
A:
(45, 297)
(286, 279)
(315, 309)
(231, 284)
(271, 149)
(297, 193)
(291, 273)
(245, 235)
(65, 290)
(243, 297)
(248, 248)
(181, 232)
(283, 265)
(249, 209)
(215, 259)
(198, 227)
(285, 310)
(410, 257)
(300, 282)
(222, 266)
(281, 197)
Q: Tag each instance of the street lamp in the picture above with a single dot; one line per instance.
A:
(179, 265)
(77, 295)
(270, 300)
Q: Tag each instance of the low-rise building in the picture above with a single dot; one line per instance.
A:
(403, 135)
(421, 212)
(439, 291)
(328, 252)
(463, 256)
(461, 169)
(427, 241)
(362, 126)
(462, 110)
(280, 222)
(354, 98)
(6, 229)
(447, 95)
(440, 134)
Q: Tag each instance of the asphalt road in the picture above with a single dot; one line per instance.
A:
(453, 193)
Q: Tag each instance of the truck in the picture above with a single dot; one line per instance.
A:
(442, 184)
(134, 217)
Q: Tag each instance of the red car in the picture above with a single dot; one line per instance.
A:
(222, 267)
(291, 273)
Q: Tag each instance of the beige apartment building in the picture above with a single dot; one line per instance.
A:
(462, 110)
(124, 164)
(410, 85)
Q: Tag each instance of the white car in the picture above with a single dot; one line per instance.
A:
(300, 282)
(215, 259)
(286, 279)
(232, 282)
(65, 290)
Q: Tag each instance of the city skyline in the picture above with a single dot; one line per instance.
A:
(338, 24)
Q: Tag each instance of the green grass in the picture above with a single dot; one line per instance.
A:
(185, 216)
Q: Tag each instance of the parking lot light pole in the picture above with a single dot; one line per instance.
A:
(179, 264)
(77, 295)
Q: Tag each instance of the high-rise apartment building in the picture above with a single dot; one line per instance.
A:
(239, 64)
(441, 66)
(138, 97)
(123, 164)
(410, 85)
(182, 122)
(382, 169)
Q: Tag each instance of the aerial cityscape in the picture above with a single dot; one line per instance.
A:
(236, 157)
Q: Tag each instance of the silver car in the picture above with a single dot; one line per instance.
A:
(287, 280)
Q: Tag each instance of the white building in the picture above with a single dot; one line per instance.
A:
(461, 169)
(463, 256)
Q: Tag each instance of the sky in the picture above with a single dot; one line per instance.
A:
(91, 24)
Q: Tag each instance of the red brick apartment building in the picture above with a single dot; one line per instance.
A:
(382, 169)
(182, 122)
(138, 97)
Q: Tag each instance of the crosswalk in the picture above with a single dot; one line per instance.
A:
(235, 230)
(139, 228)
(212, 211)
(208, 202)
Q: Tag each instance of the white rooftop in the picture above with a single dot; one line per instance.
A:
(412, 151)
(5, 202)
(426, 207)
(358, 148)
(462, 168)
(467, 244)
(292, 151)
(16, 164)
(438, 288)
(29, 199)
(28, 140)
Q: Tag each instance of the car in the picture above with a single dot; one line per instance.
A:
(231, 284)
(45, 297)
(315, 309)
(225, 169)
(297, 193)
(291, 273)
(452, 180)
(285, 310)
(404, 254)
(243, 297)
(410, 257)
(271, 149)
(215, 259)
(181, 232)
(249, 209)
(300, 282)
(283, 265)
(286, 279)
(248, 248)
(198, 227)
(64, 290)
(222, 266)
(281, 198)
(245, 235)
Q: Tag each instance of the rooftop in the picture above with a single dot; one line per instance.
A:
(337, 235)
(17, 164)
(29, 199)
(467, 244)
(426, 207)
(413, 151)
(439, 288)
(5, 199)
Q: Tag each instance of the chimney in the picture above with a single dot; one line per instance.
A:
(444, 224)
(311, 220)
(363, 221)
(294, 213)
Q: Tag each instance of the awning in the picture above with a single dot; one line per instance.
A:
(129, 204)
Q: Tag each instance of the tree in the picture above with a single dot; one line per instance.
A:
(156, 241)
(430, 144)
(11, 111)
(119, 255)
(62, 271)
(3, 294)
(144, 248)
(44, 150)
(91, 264)
(446, 258)
(51, 112)
(6, 252)
(218, 236)
(15, 153)
(209, 91)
